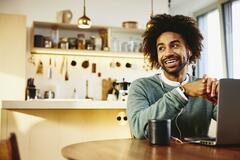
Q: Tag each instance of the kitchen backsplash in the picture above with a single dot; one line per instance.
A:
(64, 74)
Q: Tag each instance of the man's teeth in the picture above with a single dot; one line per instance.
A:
(170, 61)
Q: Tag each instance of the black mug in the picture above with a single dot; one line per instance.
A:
(38, 40)
(159, 131)
(31, 93)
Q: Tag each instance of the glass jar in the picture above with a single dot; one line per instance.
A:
(81, 41)
(93, 42)
(63, 44)
(47, 42)
(72, 43)
(89, 44)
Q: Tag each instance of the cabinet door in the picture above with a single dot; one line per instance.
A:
(12, 56)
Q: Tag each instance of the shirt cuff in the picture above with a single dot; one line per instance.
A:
(181, 93)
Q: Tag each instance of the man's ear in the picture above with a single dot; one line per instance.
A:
(189, 53)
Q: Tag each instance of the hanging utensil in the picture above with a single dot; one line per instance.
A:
(50, 69)
(62, 65)
(66, 73)
(85, 64)
(128, 65)
(73, 63)
(86, 96)
(40, 67)
(94, 66)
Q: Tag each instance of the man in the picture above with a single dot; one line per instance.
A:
(172, 43)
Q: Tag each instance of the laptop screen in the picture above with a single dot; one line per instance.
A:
(228, 116)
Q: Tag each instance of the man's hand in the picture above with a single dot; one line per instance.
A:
(212, 89)
(196, 88)
(205, 87)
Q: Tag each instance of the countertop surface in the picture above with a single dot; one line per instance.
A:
(63, 104)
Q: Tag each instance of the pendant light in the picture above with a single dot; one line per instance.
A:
(169, 4)
(151, 9)
(84, 22)
(148, 25)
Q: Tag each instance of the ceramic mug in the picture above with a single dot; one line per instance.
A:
(66, 16)
(159, 131)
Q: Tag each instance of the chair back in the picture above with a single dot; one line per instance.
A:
(9, 148)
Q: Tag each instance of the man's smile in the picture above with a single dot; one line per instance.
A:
(171, 62)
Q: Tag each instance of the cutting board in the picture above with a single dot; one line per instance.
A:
(106, 85)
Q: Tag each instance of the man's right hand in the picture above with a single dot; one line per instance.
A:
(205, 87)
(196, 88)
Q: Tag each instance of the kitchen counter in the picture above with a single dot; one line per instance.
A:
(51, 124)
(63, 104)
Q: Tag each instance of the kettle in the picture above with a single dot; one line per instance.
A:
(123, 90)
(123, 85)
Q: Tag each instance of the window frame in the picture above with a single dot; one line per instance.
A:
(217, 5)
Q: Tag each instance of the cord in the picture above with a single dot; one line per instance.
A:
(164, 90)
(179, 131)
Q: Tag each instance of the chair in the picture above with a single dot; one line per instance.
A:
(9, 148)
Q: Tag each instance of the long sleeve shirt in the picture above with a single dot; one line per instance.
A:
(152, 98)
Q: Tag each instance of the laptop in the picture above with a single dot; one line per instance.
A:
(228, 115)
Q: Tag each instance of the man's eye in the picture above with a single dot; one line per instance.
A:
(175, 45)
(161, 48)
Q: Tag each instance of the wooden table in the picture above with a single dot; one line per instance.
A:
(133, 149)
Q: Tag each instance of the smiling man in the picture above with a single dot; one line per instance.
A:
(172, 43)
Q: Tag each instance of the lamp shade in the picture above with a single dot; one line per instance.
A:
(84, 22)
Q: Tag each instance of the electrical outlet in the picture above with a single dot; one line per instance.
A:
(122, 118)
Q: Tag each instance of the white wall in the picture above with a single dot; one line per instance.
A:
(78, 75)
(188, 7)
(102, 12)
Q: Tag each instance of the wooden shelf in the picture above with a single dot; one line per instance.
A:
(71, 30)
(53, 25)
(91, 53)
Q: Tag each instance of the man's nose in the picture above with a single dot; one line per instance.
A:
(169, 51)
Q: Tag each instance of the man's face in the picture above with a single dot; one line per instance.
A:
(173, 54)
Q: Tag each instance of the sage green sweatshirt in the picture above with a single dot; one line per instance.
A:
(151, 98)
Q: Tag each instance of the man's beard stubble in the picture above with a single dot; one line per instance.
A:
(176, 72)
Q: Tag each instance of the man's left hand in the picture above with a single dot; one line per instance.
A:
(212, 88)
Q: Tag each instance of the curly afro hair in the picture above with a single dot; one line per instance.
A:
(183, 25)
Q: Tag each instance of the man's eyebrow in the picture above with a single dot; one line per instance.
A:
(160, 44)
(174, 41)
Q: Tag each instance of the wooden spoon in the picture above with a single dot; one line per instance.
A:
(62, 65)
(66, 73)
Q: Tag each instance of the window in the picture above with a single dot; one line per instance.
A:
(231, 16)
(217, 60)
(211, 62)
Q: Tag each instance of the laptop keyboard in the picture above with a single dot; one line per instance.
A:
(210, 141)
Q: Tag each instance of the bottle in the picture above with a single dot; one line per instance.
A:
(81, 41)
(74, 95)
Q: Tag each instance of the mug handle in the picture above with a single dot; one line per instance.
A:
(146, 131)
